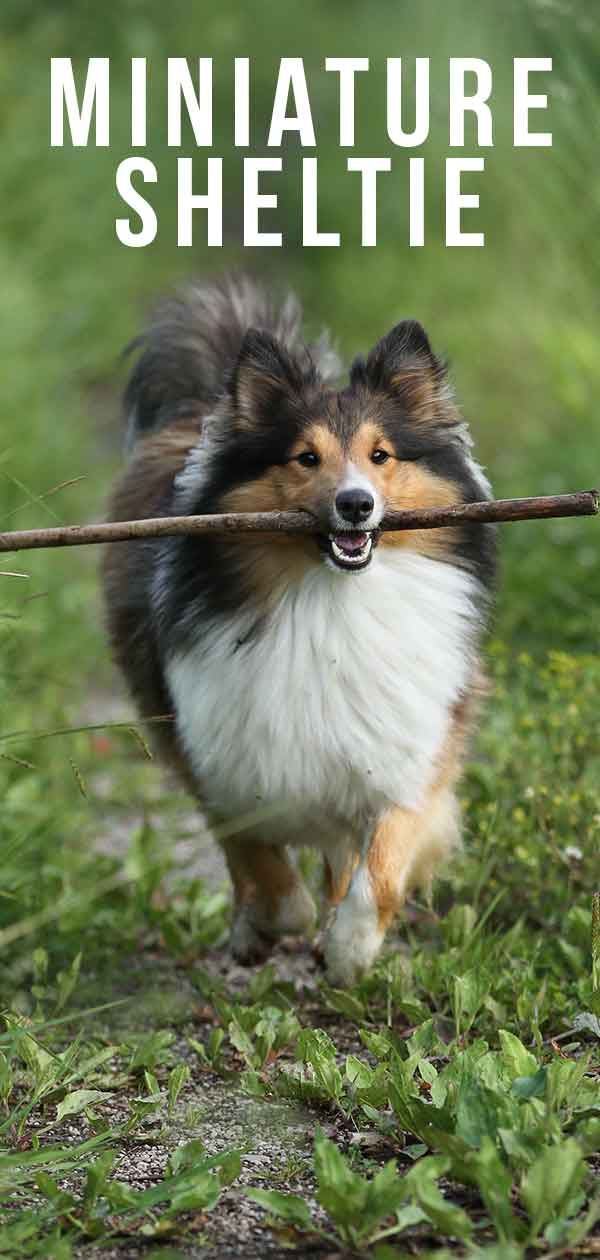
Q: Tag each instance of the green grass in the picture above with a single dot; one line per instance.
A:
(458, 1084)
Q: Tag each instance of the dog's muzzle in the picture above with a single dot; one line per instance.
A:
(351, 550)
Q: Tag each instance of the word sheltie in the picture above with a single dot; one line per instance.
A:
(80, 115)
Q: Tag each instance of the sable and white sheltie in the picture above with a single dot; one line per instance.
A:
(322, 687)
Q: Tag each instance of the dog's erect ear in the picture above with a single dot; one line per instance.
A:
(404, 366)
(264, 376)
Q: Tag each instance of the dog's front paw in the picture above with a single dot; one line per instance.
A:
(293, 915)
(257, 926)
(351, 947)
(246, 941)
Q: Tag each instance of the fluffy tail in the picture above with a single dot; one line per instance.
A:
(191, 345)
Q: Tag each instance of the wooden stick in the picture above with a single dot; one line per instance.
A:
(583, 503)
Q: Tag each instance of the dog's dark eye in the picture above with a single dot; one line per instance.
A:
(308, 459)
(380, 456)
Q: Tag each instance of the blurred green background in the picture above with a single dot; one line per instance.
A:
(519, 320)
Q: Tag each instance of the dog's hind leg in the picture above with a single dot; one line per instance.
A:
(270, 897)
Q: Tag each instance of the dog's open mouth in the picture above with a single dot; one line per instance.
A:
(351, 550)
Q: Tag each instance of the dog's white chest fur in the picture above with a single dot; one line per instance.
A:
(338, 705)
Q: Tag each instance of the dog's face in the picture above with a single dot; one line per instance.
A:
(390, 440)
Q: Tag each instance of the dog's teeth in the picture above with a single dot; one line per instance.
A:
(352, 557)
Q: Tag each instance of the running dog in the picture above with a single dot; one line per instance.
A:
(322, 687)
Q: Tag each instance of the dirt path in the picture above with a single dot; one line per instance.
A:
(276, 1137)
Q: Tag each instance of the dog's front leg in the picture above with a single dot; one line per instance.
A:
(270, 897)
(405, 849)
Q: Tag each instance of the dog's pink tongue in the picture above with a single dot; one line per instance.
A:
(351, 542)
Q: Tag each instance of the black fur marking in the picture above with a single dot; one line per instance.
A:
(193, 340)
(407, 341)
(265, 373)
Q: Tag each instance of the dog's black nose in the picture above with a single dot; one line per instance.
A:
(355, 505)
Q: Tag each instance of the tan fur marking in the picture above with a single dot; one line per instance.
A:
(405, 484)
(368, 438)
(259, 872)
(289, 486)
(425, 392)
(273, 558)
(418, 389)
(268, 559)
(262, 495)
(271, 897)
(324, 443)
(407, 845)
(411, 485)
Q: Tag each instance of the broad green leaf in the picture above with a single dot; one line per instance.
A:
(288, 1207)
(586, 1021)
(262, 982)
(66, 982)
(276, 1029)
(120, 1196)
(467, 995)
(386, 1192)
(531, 1086)
(202, 1193)
(442, 1213)
(77, 1101)
(518, 1060)
(494, 1183)
(60, 1200)
(358, 1073)
(379, 1043)
(425, 1041)
(567, 1085)
(251, 1083)
(34, 1055)
(522, 1148)
(151, 1049)
(314, 1043)
(347, 1004)
(317, 1049)
(341, 1192)
(229, 1167)
(427, 1072)
(580, 1228)
(85, 1066)
(177, 1080)
(186, 1156)
(410, 1214)
(551, 1182)
(243, 1043)
(152, 1085)
(479, 1111)
(357, 1205)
